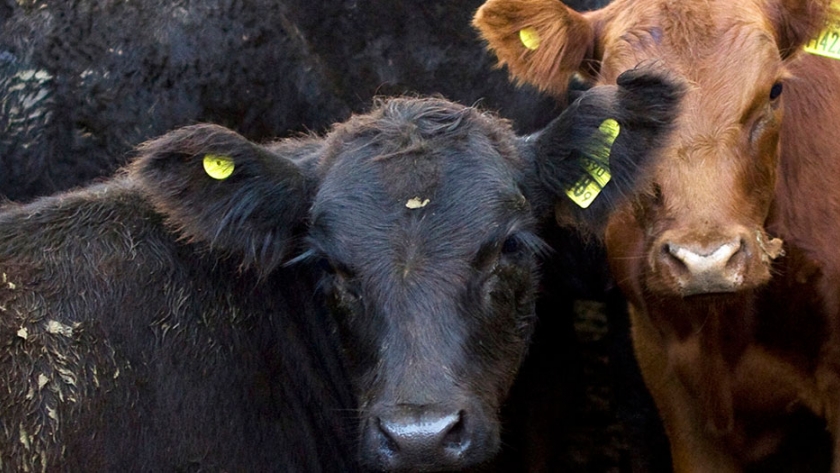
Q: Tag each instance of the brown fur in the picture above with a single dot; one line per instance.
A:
(725, 365)
(549, 66)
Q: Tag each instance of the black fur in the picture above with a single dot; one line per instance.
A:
(126, 350)
(262, 196)
(111, 74)
(150, 325)
(643, 108)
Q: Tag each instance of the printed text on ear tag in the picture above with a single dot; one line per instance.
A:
(827, 41)
(587, 188)
(218, 167)
(530, 38)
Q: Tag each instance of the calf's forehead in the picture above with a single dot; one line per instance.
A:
(697, 40)
(445, 198)
(725, 52)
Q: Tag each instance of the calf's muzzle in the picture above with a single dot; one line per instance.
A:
(698, 269)
(423, 438)
(722, 262)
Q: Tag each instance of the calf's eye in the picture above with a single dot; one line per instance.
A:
(776, 91)
(348, 293)
(324, 265)
(511, 245)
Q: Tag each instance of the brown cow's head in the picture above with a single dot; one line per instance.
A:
(700, 228)
(689, 251)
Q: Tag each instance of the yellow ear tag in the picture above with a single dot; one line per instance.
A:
(218, 167)
(587, 188)
(827, 41)
(530, 38)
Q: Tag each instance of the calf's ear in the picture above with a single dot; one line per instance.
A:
(216, 187)
(597, 152)
(542, 42)
(795, 22)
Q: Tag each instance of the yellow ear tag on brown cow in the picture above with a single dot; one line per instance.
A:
(218, 167)
(530, 38)
(587, 188)
(827, 41)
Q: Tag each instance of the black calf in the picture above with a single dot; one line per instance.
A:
(308, 305)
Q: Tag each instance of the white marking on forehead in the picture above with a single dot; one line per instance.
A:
(416, 203)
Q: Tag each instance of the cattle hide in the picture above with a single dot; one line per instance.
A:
(83, 82)
(728, 259)
(314, 304)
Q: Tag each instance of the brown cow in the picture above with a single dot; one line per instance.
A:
(728, 352)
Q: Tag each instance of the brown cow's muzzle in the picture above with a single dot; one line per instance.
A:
(690, 265)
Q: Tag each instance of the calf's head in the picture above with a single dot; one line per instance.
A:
(699, 227)
(421, 217)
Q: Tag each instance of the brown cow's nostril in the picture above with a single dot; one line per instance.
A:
(700, 269)
(668, 255)
(700, 261)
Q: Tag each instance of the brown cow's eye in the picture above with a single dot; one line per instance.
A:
(655, 197)
(776, 91)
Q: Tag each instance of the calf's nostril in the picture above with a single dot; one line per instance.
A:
(704, 268)
(387, 444)
(703, 261)
(423, 438)
(670, 255)
(455, 438)
(738, 258)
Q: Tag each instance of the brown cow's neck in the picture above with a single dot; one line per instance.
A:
(705, 341)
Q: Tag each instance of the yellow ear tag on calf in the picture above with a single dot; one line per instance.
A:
(827, 41)
(218, 167)
(587, 188)
(530, 38)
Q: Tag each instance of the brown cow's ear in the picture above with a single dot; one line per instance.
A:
(795, 22)
(542, 42)
(216, 188)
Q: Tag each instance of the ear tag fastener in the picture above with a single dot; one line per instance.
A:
(827, 41)
(587, 188)
(530, 38)
(218, 167)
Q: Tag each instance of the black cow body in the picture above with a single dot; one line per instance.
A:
(121, 73)
(85, 81)
(124, 350)
(362, 299)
